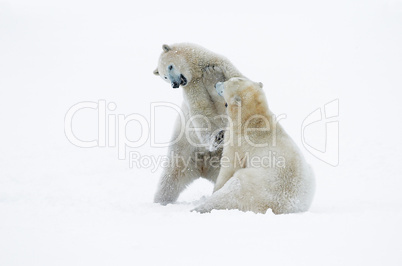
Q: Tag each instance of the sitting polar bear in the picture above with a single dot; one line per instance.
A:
(196, 153)
(261, 166)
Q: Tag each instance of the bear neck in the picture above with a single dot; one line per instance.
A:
(200, 58)
(253, 115)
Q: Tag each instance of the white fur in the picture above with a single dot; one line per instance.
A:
(284, 188)
(202, 69)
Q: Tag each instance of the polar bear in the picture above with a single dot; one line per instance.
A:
(261, 166)
(196, 153)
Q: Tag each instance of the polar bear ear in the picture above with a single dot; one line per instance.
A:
(260, 84)
(166, 48)
(156, 72)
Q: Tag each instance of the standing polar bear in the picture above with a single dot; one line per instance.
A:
(197, 152)
(261, 167)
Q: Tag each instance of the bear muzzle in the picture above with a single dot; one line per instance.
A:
(176, 83)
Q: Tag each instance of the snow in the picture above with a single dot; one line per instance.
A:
(65, 205)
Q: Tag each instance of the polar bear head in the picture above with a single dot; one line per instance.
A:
(174, 66)
(240, 92)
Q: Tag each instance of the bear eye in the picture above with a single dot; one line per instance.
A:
(165, 77)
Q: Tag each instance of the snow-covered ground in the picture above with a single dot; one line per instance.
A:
(65, 205)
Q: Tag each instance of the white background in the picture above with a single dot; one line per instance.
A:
(65, 205)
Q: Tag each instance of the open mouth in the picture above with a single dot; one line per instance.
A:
(183, 80)
(176, 84)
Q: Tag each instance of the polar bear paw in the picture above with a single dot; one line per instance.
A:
(212, 75)
(217, 141)
(201, 209)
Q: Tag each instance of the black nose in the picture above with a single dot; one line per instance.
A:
(175, 85)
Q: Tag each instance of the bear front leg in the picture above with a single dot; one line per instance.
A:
(211, 76)
(171, 184)
(203, 114)
(224, 199)
(247, 190)
(180, 171)
(229, 165)
(224, 175)
(175, 178)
